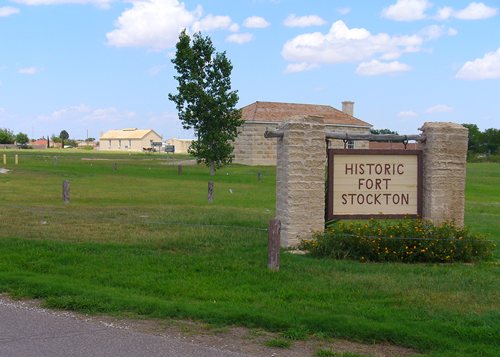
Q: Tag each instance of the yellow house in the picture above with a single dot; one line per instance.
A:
(129, 139)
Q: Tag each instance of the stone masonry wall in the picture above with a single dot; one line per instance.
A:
(444, 168)
(300, 179)
(251, 148)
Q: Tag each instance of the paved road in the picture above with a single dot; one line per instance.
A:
(29, 331)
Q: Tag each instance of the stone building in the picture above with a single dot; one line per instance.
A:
(251, 148)
(131, 139)
(181, 145)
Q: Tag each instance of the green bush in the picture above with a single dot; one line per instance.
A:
(407, 241)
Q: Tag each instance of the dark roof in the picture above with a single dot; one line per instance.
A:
(278, 112)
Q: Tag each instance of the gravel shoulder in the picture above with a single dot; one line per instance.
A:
(49, 329)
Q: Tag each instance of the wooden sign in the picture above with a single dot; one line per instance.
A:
(374, 183)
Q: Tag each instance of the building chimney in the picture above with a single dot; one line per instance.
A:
(348, 107)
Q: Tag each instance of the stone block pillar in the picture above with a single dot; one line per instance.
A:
(444, 168)
(300, 179)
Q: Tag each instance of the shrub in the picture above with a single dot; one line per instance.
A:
(407, 241)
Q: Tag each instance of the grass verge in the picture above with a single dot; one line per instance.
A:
(141, 240)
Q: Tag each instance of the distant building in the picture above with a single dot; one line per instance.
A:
(40, 144)
(251, 148)
(130, 139)
(181, 145)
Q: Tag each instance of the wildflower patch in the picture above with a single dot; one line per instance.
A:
(408, 241)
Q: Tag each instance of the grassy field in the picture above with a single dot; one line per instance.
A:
(138, 239)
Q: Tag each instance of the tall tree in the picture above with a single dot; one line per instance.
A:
(63, 136)
(205, 101)
(22, 138)
(6, 136)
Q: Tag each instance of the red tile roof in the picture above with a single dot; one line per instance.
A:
(277, 112)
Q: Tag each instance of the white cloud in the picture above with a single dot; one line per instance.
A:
(487, 67)
(83, 114)
(439, 108)
(433, 32)
(303, 21)
(211, 22)
(475, 11)
(344, 10)
(342, 44)
(8, 10)
(444, 13)
(100, 3)
(240, 38)
(407, 10)
(300, 67)
(156, 70)
(28, 70)
(256, 22)
(407, 114)
(375, 68)
(156, 24)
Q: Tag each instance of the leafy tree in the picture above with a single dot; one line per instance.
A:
(6, 136)
(22, 138)
(473, 145)
(55, 139)
(205, 101)
(383, 131)
(63, 136)
(491, 141)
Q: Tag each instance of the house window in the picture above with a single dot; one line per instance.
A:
(350, 144)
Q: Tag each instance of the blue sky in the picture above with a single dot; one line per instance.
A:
(88, 66)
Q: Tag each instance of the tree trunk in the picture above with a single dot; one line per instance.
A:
(212, 168)
(210, 191)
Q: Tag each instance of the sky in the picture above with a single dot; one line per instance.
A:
(88, 66)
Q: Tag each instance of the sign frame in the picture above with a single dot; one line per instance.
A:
(330, 185)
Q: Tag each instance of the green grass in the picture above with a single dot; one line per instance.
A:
(278, 343)
(143, 241)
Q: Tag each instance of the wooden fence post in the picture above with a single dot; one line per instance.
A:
(16, 159)
(179, 169)
(65, 191)
(273, 245)
(5, 159)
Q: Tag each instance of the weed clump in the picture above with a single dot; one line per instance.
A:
(407, 241)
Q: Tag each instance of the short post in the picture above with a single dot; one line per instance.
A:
(259, 176)
(179, 169)
(115, 166)
(65, 192)
(4, 159)
(210, 191)
(16, 159)
(273, 245)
